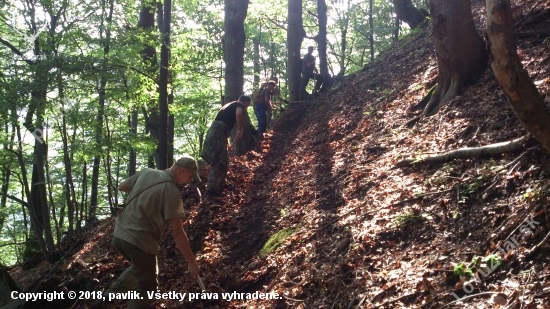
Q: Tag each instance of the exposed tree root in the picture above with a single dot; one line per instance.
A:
(540, 244)
(438, 99)
(468, 152)
(422, 104)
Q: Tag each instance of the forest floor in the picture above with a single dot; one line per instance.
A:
(357, 230)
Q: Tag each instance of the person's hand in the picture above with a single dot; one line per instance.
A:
(239, 134)
(194, 269)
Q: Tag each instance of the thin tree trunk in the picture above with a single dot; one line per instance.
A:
(526, 101)
(133, 122)
(256, 63)
(83, 198)
(163, 87)
(371, 33)
(69, 187)
(6, 173)
(35, 222)
(322, 43)
(344, 42)
(51, 203)
(294, 37)
(105, 35)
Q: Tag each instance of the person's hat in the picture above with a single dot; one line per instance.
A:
(190, 164)
(272, 82)
(244, 98)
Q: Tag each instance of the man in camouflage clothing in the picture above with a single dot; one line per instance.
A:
(214, 149)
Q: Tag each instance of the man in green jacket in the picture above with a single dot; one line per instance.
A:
(153, 201)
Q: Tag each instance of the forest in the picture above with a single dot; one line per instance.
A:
(400, 186)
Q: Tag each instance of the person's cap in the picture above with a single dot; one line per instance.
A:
(244, 98)
(272, 82)
(190, 164)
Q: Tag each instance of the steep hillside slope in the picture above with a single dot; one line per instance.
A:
(361, 232)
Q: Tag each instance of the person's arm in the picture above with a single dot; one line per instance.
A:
(269, 102)
(239, 115)
(278, 94)
(183, 245)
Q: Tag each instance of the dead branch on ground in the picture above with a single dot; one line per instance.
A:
(468, 152)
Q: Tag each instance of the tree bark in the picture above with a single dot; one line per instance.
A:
(233, 53)
(163, 86)
(233, 46)
(522, 94)
(101, 108)
(322, 44)
(256, 63)
(461, 54)
(133, 122)
(342, 59)
(294, 37)
(35, 221)
(371, 32)
(149, 56)
(407, 12)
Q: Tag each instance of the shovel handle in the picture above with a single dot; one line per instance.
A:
(199, 281)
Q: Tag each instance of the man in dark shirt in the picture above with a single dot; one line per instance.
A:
(308, 72)
(214, 149)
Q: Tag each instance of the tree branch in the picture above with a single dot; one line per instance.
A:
(15, 51)
(11, 197)
(277, 24)
(468, 152)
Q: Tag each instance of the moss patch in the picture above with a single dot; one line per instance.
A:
(277, 239)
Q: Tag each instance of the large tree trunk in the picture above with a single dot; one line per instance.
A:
(407, 12)
(461, 54)
(523, 96)
(294, 36)
(149, 55)
(233, 53)
(233, 48)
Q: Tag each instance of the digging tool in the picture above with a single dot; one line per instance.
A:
(314, 81)
(199, 281)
